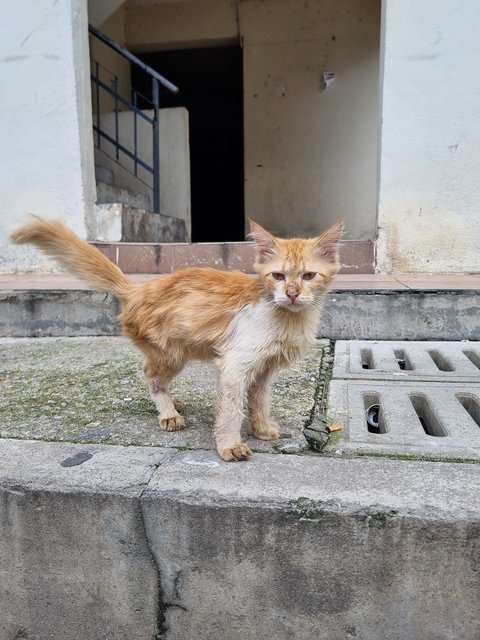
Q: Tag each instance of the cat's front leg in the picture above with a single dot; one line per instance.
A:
(262, 425)
(228, 421)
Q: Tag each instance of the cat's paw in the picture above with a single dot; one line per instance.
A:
(172, 423)
(238, 451)
(178, 404)
(266, 431)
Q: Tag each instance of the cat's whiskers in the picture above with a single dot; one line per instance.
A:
(322, 306)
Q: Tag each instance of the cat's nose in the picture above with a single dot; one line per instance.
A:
(293, 295)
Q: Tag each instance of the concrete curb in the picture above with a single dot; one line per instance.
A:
(350, 315)
(139, 543)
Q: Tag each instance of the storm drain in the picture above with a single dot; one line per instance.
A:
(418, 398)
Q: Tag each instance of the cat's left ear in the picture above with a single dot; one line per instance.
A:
(327, 244)
(266, 243)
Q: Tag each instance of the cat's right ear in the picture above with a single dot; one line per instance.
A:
(266, 244)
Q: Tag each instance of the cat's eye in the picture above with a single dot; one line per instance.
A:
(309, 275)
(278, 276)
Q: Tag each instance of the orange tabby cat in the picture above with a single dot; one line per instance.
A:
(249, 325)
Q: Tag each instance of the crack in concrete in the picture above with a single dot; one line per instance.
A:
(162, 605)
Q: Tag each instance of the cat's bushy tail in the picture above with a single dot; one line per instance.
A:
(74, 254)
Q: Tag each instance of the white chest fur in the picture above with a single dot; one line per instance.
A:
(263, 332)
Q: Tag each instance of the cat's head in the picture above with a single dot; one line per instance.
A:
(297, 272)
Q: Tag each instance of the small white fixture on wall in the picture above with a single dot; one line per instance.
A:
(329, 78)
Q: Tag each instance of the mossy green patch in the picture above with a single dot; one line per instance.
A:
(93, 390)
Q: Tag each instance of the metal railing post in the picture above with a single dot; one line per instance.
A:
(156, 145)
(97, 93)
(115, 88)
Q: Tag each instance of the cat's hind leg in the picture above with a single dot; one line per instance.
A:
(261, 424)
(159, 375)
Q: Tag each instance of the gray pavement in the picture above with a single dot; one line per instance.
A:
(93, 390)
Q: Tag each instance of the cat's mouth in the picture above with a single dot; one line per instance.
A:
(296, 304)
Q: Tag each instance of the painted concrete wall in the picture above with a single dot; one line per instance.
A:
(46, 152)
(155, 26)
(429, 198)
(100, 10)
(310, 153)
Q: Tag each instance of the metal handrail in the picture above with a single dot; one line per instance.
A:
(126, 54)
(157, 80)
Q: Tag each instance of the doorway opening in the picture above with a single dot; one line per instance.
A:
(211, 89)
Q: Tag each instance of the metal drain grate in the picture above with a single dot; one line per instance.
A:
(398, 397)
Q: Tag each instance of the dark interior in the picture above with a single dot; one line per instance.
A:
(211, 88)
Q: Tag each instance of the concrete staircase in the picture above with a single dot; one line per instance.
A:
(122, 215)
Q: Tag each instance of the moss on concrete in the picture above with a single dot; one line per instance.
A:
(93, 389)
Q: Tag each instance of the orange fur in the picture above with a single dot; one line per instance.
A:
(250, 325)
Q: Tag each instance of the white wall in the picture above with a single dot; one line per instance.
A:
(46, 150)
(429, 194)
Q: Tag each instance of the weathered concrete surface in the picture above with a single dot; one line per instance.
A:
(295, 547)
(143, 542)
(58, 313)
(403, 315)
(415, 418)
(349, 315)
(74, 560)
(93, 390)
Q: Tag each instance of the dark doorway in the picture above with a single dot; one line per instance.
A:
(211, 89)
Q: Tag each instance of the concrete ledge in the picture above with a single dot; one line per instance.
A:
(378, 314)
(58, 313)
(136, 542)
(402, 315)
(74, 560)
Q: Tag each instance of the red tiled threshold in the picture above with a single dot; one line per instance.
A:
(355, 256)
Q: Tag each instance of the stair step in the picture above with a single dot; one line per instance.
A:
(117, 223)
(150, 257)
(102, 174)
(108, 193)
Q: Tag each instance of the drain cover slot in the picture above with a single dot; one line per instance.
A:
(471, 405)
(440, 360)
(367, 359)
(473, 357)
(403, 360)
(374, 415)
(429, 421)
